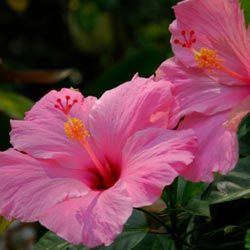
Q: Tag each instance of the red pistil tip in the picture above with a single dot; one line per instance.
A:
(187, 39)
(67, 106)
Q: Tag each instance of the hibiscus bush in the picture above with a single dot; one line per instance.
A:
(122, 134)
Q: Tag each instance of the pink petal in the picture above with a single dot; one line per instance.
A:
(42, 134)
(237, 114)
(30, 187)
(218, 147)
(218, 24)
(196, 92)
(132, 106)
(152, 159)
(94, 219)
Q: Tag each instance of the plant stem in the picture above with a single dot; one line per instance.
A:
(179, 242)
(156, 218)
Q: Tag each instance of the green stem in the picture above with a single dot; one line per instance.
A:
(177, 239)
(156, 218)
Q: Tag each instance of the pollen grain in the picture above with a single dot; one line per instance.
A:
(207, 59)
(75, 130)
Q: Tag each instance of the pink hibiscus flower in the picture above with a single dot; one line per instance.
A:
(80, 165)
(211, 73)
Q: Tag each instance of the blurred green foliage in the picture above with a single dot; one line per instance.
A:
(105, 41)
(247, 239)
(245, 5)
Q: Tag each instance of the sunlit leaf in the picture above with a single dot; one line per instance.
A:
(14, 105)
(156, 207)
(3, 224)
(233, 186)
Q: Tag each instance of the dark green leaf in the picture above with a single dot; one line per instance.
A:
(14, 105)
(51, 241)
(244, 128)
(244, 137)
(188, 190)
(233, 186)
(155, 242)
(198, 207)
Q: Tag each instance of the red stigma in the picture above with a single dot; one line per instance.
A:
(188, 39)
(67, 107)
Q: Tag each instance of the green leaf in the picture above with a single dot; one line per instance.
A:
(247, 240)
(51, 241)
(244, 128)
(198, 207)
(3, 225)
(244, 137)
(155, 242)
(90, 28)
(245, 5)
(188, 190)
(134, 231)
(14, 105)
(234, 186)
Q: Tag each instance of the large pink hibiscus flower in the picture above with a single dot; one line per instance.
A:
(79, 165)
(211, 73)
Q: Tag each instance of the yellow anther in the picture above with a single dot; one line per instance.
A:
(207, 59)
(75, 130)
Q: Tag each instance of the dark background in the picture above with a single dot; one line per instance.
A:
(104, 42)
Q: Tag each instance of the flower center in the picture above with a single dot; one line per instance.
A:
(75, 130)
(206, 58)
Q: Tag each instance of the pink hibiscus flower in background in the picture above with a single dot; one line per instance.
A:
(79, 165)
(211, 73)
